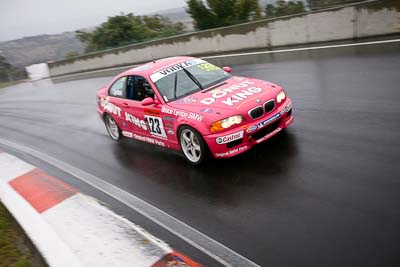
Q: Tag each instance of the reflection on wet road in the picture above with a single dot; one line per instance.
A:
(325, 192)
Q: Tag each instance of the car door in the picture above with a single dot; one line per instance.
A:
(141, 120)
(114, 104)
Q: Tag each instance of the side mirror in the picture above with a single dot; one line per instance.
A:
(227, 69)
(147, 101)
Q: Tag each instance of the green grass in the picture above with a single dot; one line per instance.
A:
(14, 252)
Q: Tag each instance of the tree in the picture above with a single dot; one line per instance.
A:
(317, 4)
(219, 13)
(283, 8)
(10, 73)
(128, 29)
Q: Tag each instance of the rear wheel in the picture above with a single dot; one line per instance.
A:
(192, 144)
(112, 128)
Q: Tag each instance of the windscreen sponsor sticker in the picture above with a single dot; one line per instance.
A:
(229, 138)
(174, 68)
(231, 94)
(208, 67)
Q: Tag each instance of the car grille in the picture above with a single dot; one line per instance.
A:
(256, 112)
(269, 106)
(266, 130)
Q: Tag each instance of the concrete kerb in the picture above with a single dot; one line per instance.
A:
(72, 229)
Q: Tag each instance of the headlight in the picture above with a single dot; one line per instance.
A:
(226, 123)
(281, 96)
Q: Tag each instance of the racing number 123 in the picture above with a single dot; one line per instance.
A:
(156, 126)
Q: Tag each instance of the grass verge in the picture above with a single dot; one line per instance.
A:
(16, 250)
(7, 84)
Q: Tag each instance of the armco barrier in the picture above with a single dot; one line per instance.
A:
(357, 21)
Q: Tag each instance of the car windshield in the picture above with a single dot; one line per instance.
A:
(187, 78)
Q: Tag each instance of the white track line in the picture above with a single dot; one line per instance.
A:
(202, 242)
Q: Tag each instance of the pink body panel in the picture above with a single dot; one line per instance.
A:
(235, 96)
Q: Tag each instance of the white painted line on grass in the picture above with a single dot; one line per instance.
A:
(202, 242)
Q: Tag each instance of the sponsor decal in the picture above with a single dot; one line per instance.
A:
(170, 132)
(111, 108)
(236, 92)
(267, 121)
(127, 134)
(229, 138)
(168, 118)
(208, 67)
(183, 114)
(156, 126)
(238, 78)
(150, 111)
(148, 140)
(286, 109)
(135, 121)
(231, 152)
(187, 100)
(206, 110)
(151, 123)
(168, 125)
(174, 68)
(251, 129)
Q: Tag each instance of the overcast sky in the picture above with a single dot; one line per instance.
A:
(19, 18)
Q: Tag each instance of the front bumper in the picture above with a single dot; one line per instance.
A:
(240, 139)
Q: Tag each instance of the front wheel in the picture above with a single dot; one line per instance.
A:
(192, 144)
(112, 128)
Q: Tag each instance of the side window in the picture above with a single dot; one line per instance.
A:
(166, 87)
(138, 88)
(118, 88)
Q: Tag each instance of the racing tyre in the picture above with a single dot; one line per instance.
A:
(192, 144)
(112, 128)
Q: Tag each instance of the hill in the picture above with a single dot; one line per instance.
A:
(40, 48)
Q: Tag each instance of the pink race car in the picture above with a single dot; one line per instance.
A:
(190, 105)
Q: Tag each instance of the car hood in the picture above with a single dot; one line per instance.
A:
(236, 95)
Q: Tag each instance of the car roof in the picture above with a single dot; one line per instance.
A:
(153, 66)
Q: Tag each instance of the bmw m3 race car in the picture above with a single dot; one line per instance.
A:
(190, 105)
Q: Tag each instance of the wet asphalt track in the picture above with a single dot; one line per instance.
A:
(324, 193)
